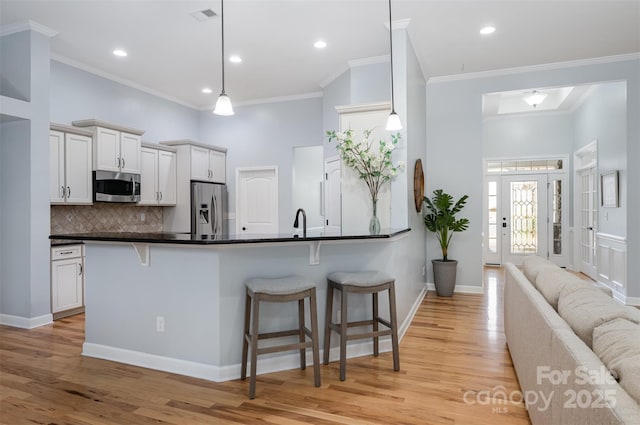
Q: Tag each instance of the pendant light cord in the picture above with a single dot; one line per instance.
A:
(222, 26)
(393, 109)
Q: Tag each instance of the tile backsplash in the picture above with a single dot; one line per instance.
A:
(105, 218)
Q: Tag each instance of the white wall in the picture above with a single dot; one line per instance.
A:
(603, 117)
(77, 95)
(454, 147)
(25, 289)
(528, 136)
(307, 180)
(265, 134)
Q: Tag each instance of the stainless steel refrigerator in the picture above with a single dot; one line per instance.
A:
(208, 210)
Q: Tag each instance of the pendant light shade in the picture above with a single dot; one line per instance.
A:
(223, 105)
(393, 122)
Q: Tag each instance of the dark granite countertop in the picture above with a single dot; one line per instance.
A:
(188, 239)
(62, 242)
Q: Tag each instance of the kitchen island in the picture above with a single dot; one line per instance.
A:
(174, 302)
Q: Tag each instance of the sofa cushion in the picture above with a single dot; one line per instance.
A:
(585, 308)
(532, 265)
(550, 282)
(617, 343)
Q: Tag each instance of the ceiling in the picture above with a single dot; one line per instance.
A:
(174, 55)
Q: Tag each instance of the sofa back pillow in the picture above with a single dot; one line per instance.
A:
(532, 265)
(550, 282)
(585, 308)
(617, 344)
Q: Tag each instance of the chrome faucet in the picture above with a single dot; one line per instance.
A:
(304, 222)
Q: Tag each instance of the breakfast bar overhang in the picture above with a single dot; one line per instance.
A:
(174, 303)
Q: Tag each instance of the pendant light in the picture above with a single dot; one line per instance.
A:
(223, 105)
(393, 122)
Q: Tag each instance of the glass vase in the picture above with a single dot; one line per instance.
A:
(374, 223)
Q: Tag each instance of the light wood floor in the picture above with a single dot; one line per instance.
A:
(454, 347)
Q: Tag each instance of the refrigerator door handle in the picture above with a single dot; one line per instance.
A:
(214, 215)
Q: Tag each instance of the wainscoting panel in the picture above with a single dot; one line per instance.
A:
(612, 263)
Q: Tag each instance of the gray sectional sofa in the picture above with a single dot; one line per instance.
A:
(576, 351)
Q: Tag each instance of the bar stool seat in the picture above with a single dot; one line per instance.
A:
(279, 290)
(364, 282)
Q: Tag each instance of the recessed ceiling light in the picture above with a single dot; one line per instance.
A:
(235, 59)
(320, 44)
(207, 90)
(119, 52)
(487, 30)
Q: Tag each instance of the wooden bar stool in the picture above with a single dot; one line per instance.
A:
(367, 282)
(280, 290)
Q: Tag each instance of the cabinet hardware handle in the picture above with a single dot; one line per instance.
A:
(68, 192)
(118, 161)
(123, 162)
(66, 252)
(62, 192)
(81, 268)
(160, 196)
(157, 196)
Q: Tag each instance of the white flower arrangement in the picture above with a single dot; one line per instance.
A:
(373, 164)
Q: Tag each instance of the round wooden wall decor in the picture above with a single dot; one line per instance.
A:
(418, 185)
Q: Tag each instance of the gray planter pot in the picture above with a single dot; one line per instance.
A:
(444, 276)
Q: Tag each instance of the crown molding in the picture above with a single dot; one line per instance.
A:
(400, 24)
(353, 64)
(100, 73)
(344, 68)
(278, 99)
(27, 25)
(534, 68)
(369, 61)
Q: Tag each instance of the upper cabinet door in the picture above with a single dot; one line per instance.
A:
(200, 164)
(129, 153)
(167, 177)
(78, 169)
(107, 149)
(148, 177)
(217, 160)
(57, 186)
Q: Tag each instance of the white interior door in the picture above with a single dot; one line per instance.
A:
(257, 200)
(588, 221)
(523, 217)
(332, 196)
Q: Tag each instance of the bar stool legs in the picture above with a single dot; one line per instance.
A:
(263, 290)
(360, 283)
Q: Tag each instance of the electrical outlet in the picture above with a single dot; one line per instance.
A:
(424, 271)
(142, 217)
(160, 324)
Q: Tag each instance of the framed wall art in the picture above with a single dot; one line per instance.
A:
(609, 189)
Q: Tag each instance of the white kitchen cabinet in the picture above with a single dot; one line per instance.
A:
(208, 165)
(70, 156)
(157, 176)
(67, 280)
(116, 148)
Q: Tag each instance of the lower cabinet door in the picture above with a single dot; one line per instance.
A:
(67, 279)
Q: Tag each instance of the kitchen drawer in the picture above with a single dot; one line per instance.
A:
(66, 251)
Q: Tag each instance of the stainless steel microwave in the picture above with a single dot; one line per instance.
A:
(111, 186)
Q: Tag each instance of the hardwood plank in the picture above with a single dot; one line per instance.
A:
(454, 347)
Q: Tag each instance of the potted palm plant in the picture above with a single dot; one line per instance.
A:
(440, 218)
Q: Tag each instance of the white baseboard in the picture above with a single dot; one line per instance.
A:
(227, 373)
(460, 289)
(26, 322)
